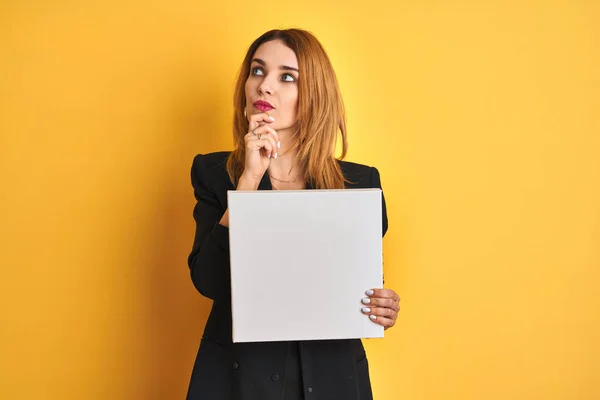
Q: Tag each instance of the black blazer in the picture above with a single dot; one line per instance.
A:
(331, 369)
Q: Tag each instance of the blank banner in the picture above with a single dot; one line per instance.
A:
(301, 262)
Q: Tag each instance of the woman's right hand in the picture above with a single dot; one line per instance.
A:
(262, 143)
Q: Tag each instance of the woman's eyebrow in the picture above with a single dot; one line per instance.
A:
(282, 67)
(286, 68)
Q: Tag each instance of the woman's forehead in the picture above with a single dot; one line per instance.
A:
(275, 52)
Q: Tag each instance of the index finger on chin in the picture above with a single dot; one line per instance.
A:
(256, 119)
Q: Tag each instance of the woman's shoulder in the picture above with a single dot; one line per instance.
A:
(214, 160)
(359, 175)
(353, 168)
(210, 169)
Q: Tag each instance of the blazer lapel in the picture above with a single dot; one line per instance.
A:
(265, 182)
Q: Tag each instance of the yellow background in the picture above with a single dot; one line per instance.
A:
(482, 117)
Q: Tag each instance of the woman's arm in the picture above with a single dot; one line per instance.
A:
(381, 305)
(209, 259)
(376, 184)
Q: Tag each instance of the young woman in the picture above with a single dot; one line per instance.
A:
(288, 112)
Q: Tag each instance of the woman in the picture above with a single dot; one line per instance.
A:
(287, 113)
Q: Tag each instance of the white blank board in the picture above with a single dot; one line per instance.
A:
(301, 262)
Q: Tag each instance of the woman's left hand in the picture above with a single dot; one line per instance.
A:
(382, 306)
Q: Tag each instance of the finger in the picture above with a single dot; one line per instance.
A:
(381, 302)
(267, 147)
(271, 140)
(380, 312)
(259, 119)
(257, 136)
(383, 293)
(383, 321)
(268, 130)
(263, 145)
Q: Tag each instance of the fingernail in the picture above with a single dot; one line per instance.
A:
(369, 292)
(373, 317)
(269, 156)
(278, 145)
(366, 301)
(275, 156)
(271, 118)
(366, 309)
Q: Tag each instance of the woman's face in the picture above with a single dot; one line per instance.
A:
(272, 85)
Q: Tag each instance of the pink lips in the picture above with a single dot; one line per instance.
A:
(263, 106)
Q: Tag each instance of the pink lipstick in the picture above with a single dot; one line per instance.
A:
(263, 106)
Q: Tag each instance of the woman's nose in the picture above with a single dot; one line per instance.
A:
(265, 87)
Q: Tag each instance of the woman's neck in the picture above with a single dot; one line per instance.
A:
(285, 167)
(285, 171)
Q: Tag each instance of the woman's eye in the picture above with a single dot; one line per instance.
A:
(257, 71)
(288, 78)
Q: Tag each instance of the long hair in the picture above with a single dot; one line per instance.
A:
(321, 116)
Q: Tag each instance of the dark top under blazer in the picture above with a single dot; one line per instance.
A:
(331, 369)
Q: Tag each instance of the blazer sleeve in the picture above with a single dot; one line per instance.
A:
(376, 183)
(209, 259)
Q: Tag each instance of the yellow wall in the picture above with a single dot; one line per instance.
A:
(482, 117)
